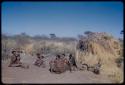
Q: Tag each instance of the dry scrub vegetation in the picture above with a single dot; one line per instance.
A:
(104, 47)
(96, 46)
(32, 45)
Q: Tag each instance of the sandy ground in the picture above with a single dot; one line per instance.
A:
(42, 75)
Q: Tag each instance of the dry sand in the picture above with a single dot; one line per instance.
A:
(42, 75)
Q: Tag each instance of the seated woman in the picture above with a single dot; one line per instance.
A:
(15, 60)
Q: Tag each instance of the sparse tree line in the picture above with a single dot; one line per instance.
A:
(24, 41)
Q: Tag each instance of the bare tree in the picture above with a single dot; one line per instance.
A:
(88, 32)
(52, 36)
(122, 32)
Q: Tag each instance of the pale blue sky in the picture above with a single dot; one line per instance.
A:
(62, 18)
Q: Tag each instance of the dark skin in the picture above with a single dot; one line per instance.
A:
(15, 60)
(39, 61)
(73, 60)
(64, 61)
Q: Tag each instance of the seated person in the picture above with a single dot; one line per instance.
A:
(39, 60)
(72, 61)
(15, 60)
(61, 64)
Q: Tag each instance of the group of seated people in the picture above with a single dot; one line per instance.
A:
(60, 63)
(16, 60)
